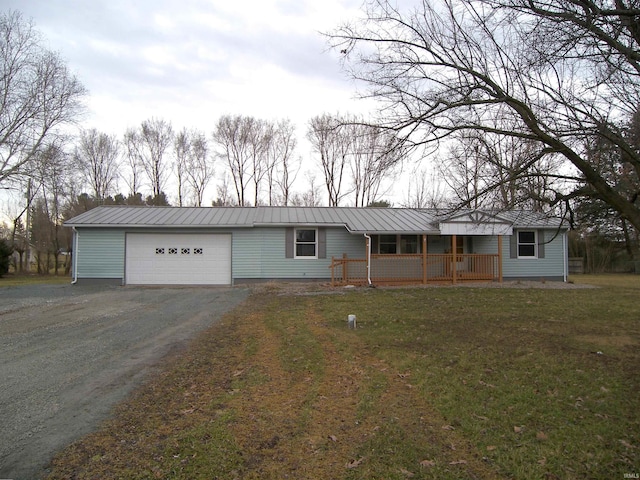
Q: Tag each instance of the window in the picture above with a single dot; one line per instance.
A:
(197, 251)
(173, 251)
(306, 243)
(527, 244)
(404, 244)
(159, 251)
(388, 244)
(185, 251)
(409, 244)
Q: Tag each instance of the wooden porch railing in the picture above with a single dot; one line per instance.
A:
(415, 269)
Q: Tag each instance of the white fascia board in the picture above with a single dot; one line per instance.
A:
(468, 228)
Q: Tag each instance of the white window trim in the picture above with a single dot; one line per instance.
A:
(535, 245)
(295, 244)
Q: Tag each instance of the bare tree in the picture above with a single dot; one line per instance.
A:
(193, 167)
(97, 154)
(52, 166)
(465, 172)
(552, 72)
(243, 144)
(594, 218)
(199, 166)
(309, 198)
(258, 135)
(38, 95)
(282, 165)
(424, 191)
(373, 154)
(231, 138)
(326, 134)
(133, 147)
(483, 169)
(224, 198)
(181, 151)
(17, 211)
(156, 135)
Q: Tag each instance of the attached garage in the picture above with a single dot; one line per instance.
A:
(177, 259)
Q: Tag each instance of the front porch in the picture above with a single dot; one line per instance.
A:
(417, 268)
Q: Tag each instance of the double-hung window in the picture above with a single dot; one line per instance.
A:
(306, 243)
(527, 244)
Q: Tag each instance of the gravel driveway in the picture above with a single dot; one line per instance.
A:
(69, 353)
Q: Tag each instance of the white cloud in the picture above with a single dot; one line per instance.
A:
(190, 61)
(252, 51)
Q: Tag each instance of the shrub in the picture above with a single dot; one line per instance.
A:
(5, 252)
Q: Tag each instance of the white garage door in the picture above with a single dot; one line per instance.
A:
(178, 259)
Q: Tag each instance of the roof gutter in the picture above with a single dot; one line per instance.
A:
(148, 226)
(299, 224)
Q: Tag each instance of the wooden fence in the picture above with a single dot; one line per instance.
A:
(415, 269)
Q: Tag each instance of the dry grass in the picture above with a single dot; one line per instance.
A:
(618, 280)
(435, 383)
(16, 280)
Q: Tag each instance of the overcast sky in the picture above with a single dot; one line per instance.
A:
(191, 61)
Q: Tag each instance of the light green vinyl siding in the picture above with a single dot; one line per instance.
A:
(552, 265)
(488, 244)
(340, 241)
(472, 244)
(256, 253)
(260, 253)
(100, 253)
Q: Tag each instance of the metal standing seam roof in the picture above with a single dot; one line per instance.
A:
(355, 220)
(172, 217)
(517, 218)
(524, 219)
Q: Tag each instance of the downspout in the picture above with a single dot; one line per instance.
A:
(565, 254)
(368, 258)
(75, 256)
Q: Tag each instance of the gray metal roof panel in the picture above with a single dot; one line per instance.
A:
(141, 216)
(356, 220)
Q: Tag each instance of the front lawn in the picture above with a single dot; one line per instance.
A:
(439, 382)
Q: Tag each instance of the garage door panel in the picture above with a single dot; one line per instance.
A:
(178, 259)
